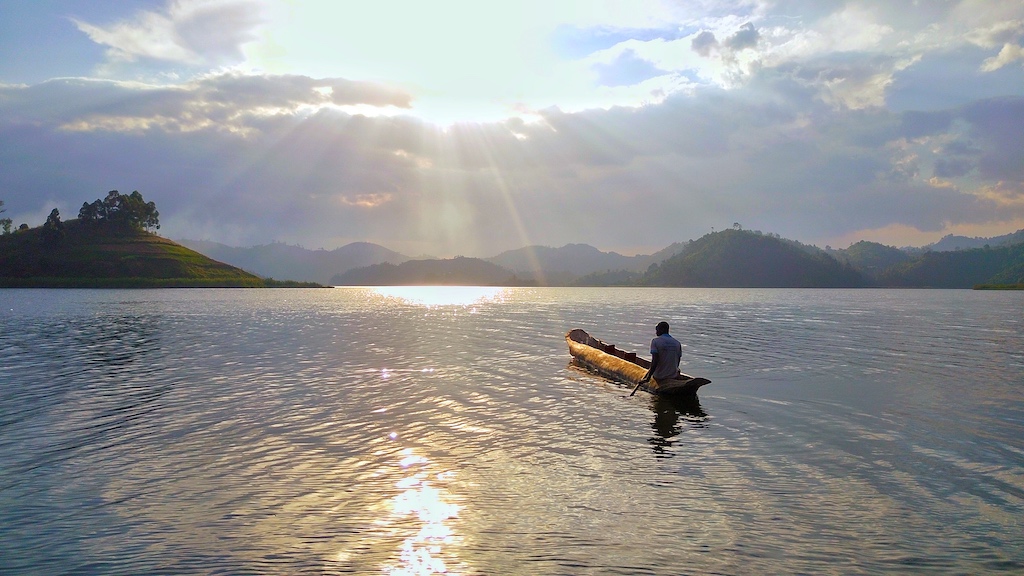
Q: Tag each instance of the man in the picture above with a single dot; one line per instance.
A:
(666, 352)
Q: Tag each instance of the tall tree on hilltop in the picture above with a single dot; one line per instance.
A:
(5, 223)
(53, 228)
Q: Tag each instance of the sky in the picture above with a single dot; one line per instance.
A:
(466, 128)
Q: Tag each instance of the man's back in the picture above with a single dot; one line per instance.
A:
(669, 352)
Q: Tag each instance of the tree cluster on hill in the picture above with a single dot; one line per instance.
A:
(129, 210)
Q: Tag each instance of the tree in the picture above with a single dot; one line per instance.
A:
(138, 213)
(53, 228)
(90, 213)
(5, 223)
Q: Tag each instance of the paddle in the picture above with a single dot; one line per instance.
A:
(637, 387)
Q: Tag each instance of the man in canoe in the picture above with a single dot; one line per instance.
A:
(666, 352)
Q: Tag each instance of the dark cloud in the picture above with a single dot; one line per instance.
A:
(746, 37)
(992, 142)
(704, 43)
(997, 125)
(950, 78)
(222, 99)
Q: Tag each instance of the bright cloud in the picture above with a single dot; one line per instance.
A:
(189, 31)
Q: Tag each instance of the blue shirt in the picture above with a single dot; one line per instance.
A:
(669, 352)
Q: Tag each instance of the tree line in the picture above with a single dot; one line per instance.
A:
(125, 210)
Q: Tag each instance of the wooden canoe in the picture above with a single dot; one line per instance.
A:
(623, 366)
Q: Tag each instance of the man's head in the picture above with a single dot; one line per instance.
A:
(661, 328)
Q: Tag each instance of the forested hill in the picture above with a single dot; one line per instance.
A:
(108, 255)
(871, 258)
(743, 259)
(961, 269)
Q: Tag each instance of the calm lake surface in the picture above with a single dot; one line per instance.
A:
(444, 431)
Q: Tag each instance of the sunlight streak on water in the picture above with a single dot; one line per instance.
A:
(433, 296)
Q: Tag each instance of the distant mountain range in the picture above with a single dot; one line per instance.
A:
(458, 271)
(284, 261)
(532, 264)
(736, 258)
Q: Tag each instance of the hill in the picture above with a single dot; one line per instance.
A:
(569, 260)
(459, 271)
(950, 242)
(280, 260)
(577, 264)
(871, 258)
(743, 259)
(106, 255)
(959, 269)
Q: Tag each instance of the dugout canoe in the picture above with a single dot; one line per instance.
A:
(626, 367)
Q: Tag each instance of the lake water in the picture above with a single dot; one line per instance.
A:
(444, 431)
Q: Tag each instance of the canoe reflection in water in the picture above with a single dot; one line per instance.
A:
(672, 416)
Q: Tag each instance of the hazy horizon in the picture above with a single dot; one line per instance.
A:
(495, 254)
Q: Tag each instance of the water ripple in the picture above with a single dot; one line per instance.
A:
(417, 432)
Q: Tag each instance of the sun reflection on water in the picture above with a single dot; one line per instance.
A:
(422, 552)
(432, 296)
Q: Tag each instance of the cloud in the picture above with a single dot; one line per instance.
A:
(223, 101)
(1002, 194)
(194, 32)
(1009, 54)
(997, 33)
(813, 120)
(252, 159)
(995, 126)
(746, 37)
(704, 43)
(952, 167)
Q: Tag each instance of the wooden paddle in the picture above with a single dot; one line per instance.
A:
(637, 387)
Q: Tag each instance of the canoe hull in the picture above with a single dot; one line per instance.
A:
(624, 366)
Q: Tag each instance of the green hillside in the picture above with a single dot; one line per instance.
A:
(960, 269)
(109, 255)
(743, 259)
(871, 258)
